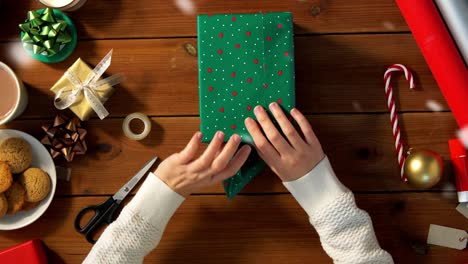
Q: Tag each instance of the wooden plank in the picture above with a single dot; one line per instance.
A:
(334, 74)
(360, 147)
(146, 18)
(257, 229)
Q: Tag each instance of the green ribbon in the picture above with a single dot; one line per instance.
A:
(44, 32)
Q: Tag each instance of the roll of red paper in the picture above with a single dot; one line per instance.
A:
(459, 159)
(440, 53)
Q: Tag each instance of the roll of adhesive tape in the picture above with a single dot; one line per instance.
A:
(129, 133)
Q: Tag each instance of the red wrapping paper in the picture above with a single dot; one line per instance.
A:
(458, 155)
(440, 53)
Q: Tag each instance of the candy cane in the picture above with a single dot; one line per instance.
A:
(393, 113)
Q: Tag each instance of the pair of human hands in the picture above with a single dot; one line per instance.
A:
(290, 156)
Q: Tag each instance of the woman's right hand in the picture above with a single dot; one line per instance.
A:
(291, 157)
(185, 173)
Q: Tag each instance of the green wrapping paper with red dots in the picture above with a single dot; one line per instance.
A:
(244, 60)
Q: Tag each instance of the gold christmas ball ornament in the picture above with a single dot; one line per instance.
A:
(423, 168)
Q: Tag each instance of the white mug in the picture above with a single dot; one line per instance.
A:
(64, 5)
(21, 100)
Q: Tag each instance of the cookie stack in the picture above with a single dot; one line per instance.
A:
(21, 187)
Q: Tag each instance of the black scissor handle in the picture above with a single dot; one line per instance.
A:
(103, 213)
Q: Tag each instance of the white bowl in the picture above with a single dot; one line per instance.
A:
(41, 159)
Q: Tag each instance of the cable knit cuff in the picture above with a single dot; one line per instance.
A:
(155, 201)
(317, 188)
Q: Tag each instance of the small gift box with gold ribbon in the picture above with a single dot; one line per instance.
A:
(48, 35)
(82, 91)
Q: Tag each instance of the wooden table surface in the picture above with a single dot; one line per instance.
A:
(342, 50)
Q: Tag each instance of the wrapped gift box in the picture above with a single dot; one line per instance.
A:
(31, 252)
(245, 60)
(82, 108)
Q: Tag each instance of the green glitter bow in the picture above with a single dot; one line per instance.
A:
(44, 32)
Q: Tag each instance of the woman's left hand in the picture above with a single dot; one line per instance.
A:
(289, 156)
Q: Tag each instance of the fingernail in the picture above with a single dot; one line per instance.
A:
(248, 121)
(220, 134)
(198, 135)
(293, 111)
(235, 138)
(274, 106)
(258, 109)
(246, 148)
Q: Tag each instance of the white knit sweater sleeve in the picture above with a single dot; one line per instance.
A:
(139, 227)
(345, 231)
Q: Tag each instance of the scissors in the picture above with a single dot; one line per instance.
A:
(104, 213)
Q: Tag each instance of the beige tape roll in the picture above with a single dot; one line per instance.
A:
(129, 133)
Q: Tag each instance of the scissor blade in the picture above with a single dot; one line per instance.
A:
(127, 188)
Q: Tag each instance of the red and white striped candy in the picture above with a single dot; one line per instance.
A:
(393, 114)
